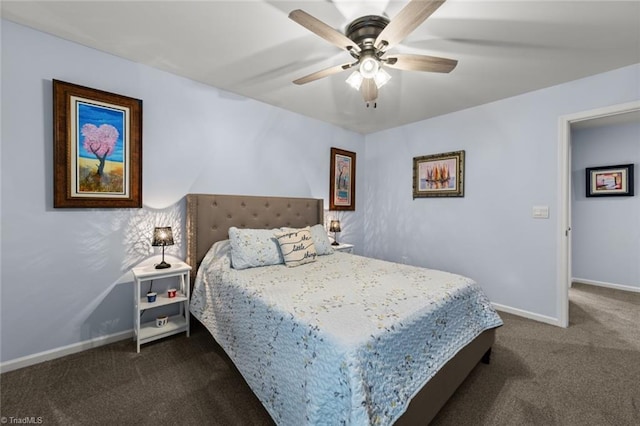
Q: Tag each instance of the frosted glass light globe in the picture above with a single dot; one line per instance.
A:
(368, 67)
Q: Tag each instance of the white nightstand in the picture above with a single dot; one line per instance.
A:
(346, 248)
(147, 331)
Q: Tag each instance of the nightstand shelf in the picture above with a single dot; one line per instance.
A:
(148, 331)
(161, 300)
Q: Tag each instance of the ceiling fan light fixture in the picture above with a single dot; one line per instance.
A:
(367, 40)
(369, 67)
(355, 80)
(381, 78)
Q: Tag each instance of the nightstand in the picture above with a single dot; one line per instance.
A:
(146, 330)
(343, 247)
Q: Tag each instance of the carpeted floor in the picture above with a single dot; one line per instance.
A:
(587, 374)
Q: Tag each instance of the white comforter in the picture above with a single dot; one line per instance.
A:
(344, 340)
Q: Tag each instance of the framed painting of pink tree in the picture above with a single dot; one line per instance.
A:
(97, 148)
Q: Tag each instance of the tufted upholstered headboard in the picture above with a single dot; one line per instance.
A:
(209, 218)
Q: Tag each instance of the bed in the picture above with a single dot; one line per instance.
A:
(321, 363)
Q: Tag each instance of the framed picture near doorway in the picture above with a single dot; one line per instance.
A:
(610, 181)
(342, 180)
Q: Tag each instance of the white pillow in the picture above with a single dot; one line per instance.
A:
(297, 247)
(320, 239)
(254, 247)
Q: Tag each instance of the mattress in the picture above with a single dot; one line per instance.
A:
(343, 340)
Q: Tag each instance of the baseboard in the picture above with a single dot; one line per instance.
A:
(29, 360)
(526, 314)
(608, 285)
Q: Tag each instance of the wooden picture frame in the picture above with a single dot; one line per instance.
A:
(439, 175)
(97, 151)
(342, 180)
(609, 181)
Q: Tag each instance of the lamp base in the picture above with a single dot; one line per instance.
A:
(163, 265)
(335, 243)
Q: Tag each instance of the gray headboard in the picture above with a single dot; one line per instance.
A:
(209, 218)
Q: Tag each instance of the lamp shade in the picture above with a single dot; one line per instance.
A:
(334, 226)
(381, 78)
(355, 80)
(162, 236)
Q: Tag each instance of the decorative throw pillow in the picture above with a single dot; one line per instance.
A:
(254, 247)
(319, 236)
(297, 247)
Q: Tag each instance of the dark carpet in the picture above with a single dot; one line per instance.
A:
(587, 374)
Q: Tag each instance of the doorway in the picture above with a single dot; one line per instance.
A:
(564, 274)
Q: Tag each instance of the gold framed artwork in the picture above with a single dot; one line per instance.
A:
(97, 152)
(439, 175)
(342, 186)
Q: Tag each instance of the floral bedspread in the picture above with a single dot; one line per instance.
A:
(343, 340)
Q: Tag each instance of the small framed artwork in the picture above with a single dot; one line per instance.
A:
(342, 186)
(610, 181)
(97, 152)
(439, 175)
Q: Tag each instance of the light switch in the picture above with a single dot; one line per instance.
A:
(541, 212)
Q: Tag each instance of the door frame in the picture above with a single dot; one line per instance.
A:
(564, 198)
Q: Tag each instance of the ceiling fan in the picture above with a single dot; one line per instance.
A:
(367, 40)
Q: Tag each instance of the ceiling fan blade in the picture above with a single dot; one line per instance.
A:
(407, 20)
(322, 73)
(421, 63)
(369, 90)
(323, 30)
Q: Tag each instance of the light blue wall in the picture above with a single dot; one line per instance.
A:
(511, 165)
(606, 231)
(65, 272)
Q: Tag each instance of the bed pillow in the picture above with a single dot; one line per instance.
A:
(297, 247)
(320, 238)
(254, 247)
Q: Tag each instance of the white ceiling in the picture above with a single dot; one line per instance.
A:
(251, 48)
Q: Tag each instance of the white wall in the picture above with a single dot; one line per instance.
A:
(511, 165)
(605, 231)
(65, 272)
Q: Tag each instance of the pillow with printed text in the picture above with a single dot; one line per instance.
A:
(319, 237)
(297, 247)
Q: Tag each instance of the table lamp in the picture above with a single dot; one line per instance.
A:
(334, 226)
(162, 237)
